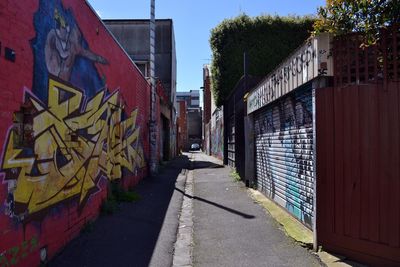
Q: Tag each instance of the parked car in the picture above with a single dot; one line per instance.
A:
(195, 146)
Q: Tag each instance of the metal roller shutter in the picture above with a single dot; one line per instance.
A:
(284, 153)
(231, 142)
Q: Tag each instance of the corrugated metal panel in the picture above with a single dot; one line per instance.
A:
(284, 153)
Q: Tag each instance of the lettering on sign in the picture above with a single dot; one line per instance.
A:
(311, 60)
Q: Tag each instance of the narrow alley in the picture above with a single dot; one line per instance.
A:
(199, 133)
(229, 228)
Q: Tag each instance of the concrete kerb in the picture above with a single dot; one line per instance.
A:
(292, 227)
(183, 248)
(298, 231)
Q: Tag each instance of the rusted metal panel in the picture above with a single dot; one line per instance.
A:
(284, 153)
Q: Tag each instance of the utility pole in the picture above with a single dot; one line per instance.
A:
(153, 115)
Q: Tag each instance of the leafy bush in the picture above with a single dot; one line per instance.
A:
(267, 40)
(363, 16)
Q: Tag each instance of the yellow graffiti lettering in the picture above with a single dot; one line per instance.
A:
(74, 145)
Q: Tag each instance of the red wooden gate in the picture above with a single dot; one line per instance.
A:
(358, 153)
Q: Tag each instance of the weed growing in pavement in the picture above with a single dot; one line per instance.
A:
(235, 176)
(88, 227)
(122, 195)
(254, 185)
(109, 206)
(117, 195)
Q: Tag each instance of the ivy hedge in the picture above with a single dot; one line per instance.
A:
(266, 39)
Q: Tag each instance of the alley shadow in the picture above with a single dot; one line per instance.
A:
(244, 215)
(205, 165)
(129, 236)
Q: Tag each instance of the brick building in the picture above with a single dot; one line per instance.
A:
(182, 131)
(74, 111)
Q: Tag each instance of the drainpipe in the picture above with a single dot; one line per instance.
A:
(153, 115)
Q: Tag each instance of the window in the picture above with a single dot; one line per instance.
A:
(23, 126)
(142, 66)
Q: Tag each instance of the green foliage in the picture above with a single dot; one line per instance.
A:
(88, 227)
(363, 16)
(117, 195)
(122, 195)
(109, 206)
(235, 176)
(267, 41)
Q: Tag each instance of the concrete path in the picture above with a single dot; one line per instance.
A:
(192, 214)
(230, 229)
(139, 234)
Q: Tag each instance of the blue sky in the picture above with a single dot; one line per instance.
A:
(193, 20)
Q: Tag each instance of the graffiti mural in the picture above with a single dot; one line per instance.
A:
(73, 146)
(61, 50)
(217, 134)
(14, 255)
(70, 130)
(284, 153)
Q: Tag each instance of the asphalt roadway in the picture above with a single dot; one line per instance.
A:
(229, 228)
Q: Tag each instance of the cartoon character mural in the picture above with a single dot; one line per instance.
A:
(61, 50)
(71, 130)
(63, 45)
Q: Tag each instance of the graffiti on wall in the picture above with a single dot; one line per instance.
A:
(70, 130)
(61, 50)
(284, 153)
(72, 146)
(15, 254)
(217, 135)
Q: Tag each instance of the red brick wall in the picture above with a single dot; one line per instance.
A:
(207, 97)
(64, 58)
(182, 126)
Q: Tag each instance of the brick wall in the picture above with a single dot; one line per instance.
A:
(74, 113)
(182, 126)
(207, 95)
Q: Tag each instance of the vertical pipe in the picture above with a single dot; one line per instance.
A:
(153, 115)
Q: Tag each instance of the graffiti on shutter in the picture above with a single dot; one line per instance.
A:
(231, 142)
(284, 153)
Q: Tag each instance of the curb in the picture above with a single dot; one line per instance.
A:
(292, 227)
(299, 232)
(183, 248)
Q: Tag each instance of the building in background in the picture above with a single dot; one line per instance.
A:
(134, 37)
(182, 127)
(206, 109)
(194, 115)
(192, 98)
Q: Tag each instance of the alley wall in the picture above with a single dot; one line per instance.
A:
(74, 112)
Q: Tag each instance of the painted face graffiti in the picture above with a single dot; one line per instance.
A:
(63, 45)
(74, 145)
